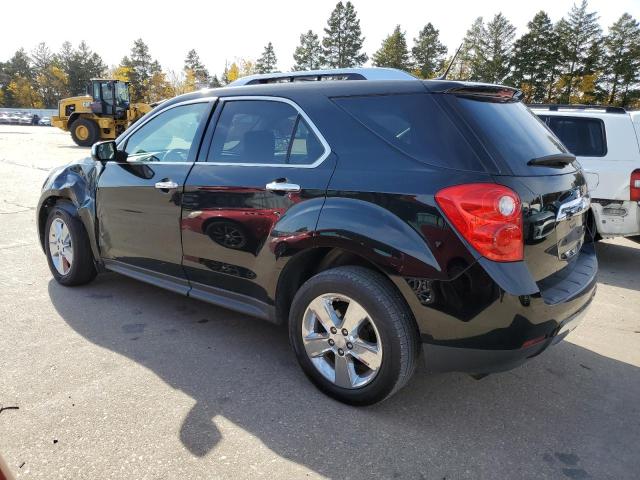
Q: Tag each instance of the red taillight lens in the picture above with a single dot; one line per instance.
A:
(488, 216)
(635, 186)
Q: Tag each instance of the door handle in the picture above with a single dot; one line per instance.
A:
(166, 185)
(282, 187)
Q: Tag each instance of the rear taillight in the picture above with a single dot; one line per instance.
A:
(488, 216)
(635, 186)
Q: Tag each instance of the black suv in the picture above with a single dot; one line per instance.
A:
(374, 218)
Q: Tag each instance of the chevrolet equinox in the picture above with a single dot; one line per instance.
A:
(376, 219)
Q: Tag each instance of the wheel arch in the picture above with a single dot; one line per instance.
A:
(312, 261)
(73, 189)
(351, 231)
(72, 118)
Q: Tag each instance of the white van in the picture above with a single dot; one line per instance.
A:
(606, 141)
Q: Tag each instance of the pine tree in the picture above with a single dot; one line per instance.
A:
(428, 52)
(555, 62)
(308, 55)
(80, 65)
(41, 57)
(471, 57)
(622, 61)
(141, 68)
(19, 65)
(201, 74)
(267, 62)
(532, 60)
(50, 79)
(394, 52)
(215, 82)
(496, 46)
(577, 36)
(343, 42)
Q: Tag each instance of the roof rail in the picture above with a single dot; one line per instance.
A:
(374, 73)
(554, 107)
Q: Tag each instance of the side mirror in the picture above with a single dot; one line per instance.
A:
(104, 151)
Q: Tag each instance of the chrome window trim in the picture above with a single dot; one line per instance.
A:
(302, 113)
(162, 110)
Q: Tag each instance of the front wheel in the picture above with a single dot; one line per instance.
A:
(353, 335)
(85, 132)
(68, 249)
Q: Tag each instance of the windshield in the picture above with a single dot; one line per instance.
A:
(512, 134)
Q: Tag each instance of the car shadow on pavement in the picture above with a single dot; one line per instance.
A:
(569, 413)
(619, 264)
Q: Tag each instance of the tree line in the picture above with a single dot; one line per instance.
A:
(569, 61)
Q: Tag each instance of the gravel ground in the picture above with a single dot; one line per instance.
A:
(119, 379)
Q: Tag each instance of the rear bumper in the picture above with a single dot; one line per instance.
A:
(511, 328)
(441, 358)
(615, 218)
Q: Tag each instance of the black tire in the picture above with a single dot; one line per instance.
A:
(93, 132)
(82, 269)
(392, 318)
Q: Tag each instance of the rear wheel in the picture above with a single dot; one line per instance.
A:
(85, 132)
(68, 249)
(353, 335)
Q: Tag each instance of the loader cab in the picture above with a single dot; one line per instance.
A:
(110, 97)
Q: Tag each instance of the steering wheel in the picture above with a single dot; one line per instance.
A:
(175, 155)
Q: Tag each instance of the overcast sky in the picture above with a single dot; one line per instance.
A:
(226, 30)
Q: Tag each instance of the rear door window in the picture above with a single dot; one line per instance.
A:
(263, 132)
(416, 125)
(584, 137)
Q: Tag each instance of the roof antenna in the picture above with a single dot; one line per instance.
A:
(453, 60)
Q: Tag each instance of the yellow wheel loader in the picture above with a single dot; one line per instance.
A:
(103, 114)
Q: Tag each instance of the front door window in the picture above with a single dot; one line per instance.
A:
(167, 137)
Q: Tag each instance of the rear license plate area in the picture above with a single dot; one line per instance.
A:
(570, 236)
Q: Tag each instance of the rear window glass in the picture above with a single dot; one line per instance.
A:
(510, 131)
(584, 137)
(416, 125)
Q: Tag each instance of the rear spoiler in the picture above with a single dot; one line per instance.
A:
(494, 93)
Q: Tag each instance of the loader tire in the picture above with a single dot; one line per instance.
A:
(85, 132)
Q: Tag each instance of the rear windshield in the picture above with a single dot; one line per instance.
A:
(584, 137)
(511, 133)
(416, 125)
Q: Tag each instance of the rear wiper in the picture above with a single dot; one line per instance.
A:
(558, 160)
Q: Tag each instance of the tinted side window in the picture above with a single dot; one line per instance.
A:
(416, 125)
(584, 137)
(167, 137)
(263, 132)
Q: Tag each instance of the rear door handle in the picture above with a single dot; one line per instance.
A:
(282, 187)
(166, 185)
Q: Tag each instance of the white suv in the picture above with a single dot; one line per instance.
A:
(606, 141)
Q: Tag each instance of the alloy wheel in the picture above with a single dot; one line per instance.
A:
(341, 340)
(60, 246)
